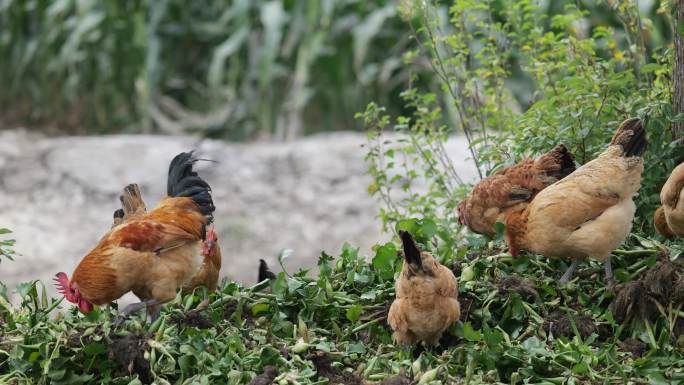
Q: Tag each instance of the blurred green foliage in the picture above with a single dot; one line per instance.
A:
(236, 69)
(246, 69)
(518, 81)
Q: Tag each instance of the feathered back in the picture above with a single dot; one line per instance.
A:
(183, 181)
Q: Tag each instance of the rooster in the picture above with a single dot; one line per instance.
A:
(153, 254)
(426, 301)
(133, 206)
(669, 218)
(511, 186)
(588, 213)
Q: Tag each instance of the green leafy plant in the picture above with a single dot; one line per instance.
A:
(6, 251)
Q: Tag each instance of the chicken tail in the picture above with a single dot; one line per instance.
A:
(264, 271)
(131, 200)
(411, 250)
(560, 160)
(631, 136)
(183, 181)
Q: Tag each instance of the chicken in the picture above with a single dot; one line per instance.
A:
(426, 301)
(588, 213)
(208, 273)
(493, 195)
(152, 255)
(669, 218)
(264, 272)
(133, 206)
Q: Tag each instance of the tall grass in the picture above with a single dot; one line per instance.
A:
(238, 69)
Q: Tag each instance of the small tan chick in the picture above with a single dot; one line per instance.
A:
(669, 218)
(589, 213)
(426, 301)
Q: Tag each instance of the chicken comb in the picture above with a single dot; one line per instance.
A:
(62, 283)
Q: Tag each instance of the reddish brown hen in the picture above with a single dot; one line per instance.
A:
(511, 186)
(151, 254)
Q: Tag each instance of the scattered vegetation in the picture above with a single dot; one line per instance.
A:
(517, 326)
(579, 80)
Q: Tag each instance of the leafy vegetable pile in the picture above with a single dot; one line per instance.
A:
(516, 326)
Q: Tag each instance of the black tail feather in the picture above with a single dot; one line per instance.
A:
(183, 181)
(567, 161)
(411, 250)
(264, 271)
(632, 137)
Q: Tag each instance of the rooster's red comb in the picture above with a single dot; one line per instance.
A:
(62, 283)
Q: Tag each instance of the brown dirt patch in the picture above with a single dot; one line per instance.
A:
(633, 346)
(560, 324)
(129, 352)
(193, 318)
(266, 377)
(323, 364)
(514, 284)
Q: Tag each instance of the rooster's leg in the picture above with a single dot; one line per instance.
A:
(134, 307)
(568, 273)
(609, 273)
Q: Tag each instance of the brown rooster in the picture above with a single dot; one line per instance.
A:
(588, 213)
(133, 206)
(152, 255)
(426, 301)
(511, 186)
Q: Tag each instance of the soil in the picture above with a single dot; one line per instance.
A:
(399, 379)
(661, 283)
(265, 378)
(323, 364)
(514, 284)
(129, 352)
(559, 324)
(195, 319)
(633, 346)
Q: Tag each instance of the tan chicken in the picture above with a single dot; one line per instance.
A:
(669, 218)
(426, 301)
(508, 187)
(589, 213)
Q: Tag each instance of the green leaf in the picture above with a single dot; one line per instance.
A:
(471, 334)
(354, 313)
(284, 254)
(259, 308)
(356, 348)
(385, 259)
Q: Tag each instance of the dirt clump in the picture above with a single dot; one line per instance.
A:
(633, 346)
(399, 379)
(266, 377)
(193, 318)
(323, 364)
(514, 284)
(660, 284)
(560, 324)
(129, 352)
